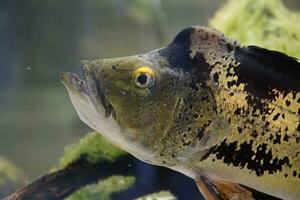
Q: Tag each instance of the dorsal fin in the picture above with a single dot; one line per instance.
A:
(263, 70)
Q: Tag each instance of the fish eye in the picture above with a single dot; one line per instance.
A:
(143, 77)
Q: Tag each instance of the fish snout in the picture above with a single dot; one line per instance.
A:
(71, 81)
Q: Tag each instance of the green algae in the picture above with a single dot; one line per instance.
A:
(266, 23)
(94, 147)
(103, 189)
(162, 195)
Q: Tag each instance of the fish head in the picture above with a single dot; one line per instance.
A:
(150, 104)
(130, 100)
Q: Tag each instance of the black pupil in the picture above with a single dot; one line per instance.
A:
(142, 79)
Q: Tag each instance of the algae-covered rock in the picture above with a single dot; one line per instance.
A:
(103, 189)
(11, 177)
(266, 23)
(96, 149)
(94, 146)
(163, 195)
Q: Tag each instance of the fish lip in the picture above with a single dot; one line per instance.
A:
(95, 90)
(72, 82)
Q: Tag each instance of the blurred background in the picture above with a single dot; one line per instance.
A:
(39, 39)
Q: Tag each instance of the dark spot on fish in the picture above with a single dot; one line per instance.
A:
(208, 153)
(294, 95)
(256, 104)
(262, 70)
(178, 52)
(217, 63)
(178, 55)
(271, 137)
(297, 140)
(288, 103)
(201, 69)
(200, 133)
(276, 116)
(267, 124)
(231, 83)
(239, 129)
(237, 111)
(254, 134)
(294, 173)
(216, 77)
(286, 138)
(242, 156)
(298, 127)
(277, 139)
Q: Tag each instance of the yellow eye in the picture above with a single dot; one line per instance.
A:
(143, 77)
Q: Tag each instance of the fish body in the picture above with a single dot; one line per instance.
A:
(224, 114)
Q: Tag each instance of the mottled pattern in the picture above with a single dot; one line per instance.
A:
(247, 115)
(216, 109)
(258, 92)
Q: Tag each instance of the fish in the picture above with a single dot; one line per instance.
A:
(222, 113)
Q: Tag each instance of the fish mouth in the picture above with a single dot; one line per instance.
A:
(74, 84)
(89, 99)
(95, 89)
(90, 86)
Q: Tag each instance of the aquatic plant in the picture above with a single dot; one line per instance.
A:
(265, 23)
(95, 148)
(103, 189)
(163, 195)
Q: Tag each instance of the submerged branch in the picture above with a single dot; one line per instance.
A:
(60, 184)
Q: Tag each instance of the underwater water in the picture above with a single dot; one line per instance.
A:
(40, 39)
